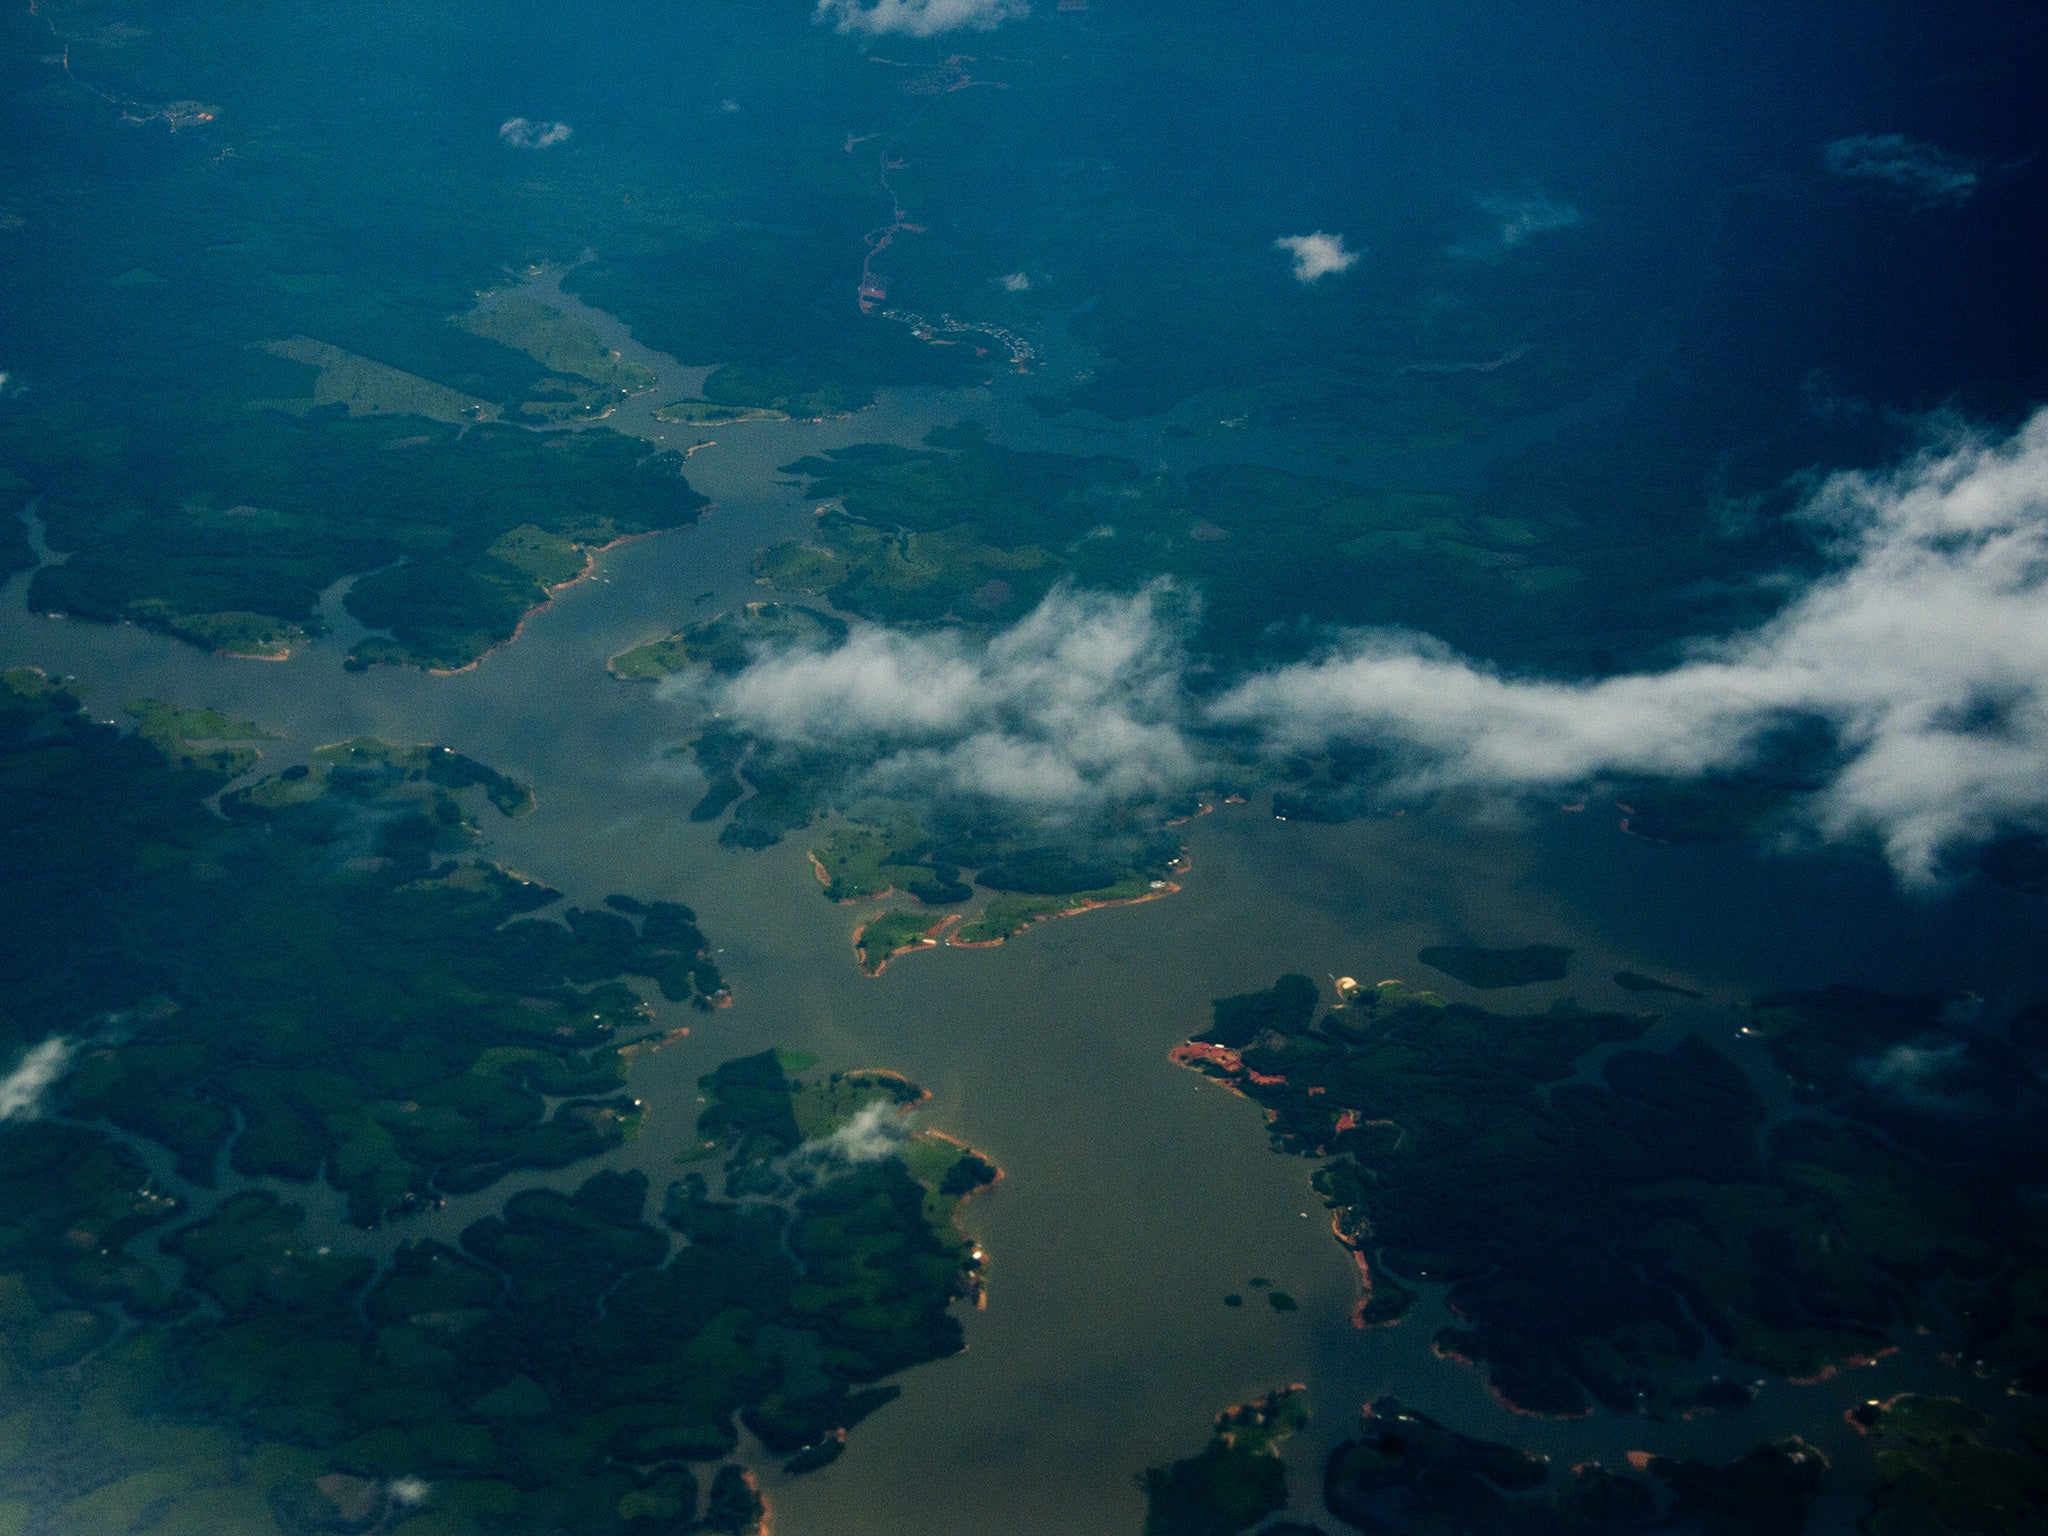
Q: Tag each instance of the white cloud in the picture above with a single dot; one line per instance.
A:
(21, 1091)
(919, 18)
(1081, 700)
(1013, 282)
(410, 1491)
(1925, 651)
(1317, 255)
(876, 1131)
(1922, 173)
(521, 133)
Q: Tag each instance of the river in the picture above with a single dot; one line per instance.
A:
(1137, 1193)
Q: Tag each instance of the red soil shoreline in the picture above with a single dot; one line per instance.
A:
(1168, 889)
(590, 554)
(929, 939)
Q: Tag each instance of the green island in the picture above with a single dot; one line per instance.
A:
(1603, 1234)
(870, 862)
(1939, 1474)
(709, 413)
(941, 850)
(728, 642)
(882, 938)
(1492, 969)
(1407, 1475)
(1235, 1481)
(319, 984)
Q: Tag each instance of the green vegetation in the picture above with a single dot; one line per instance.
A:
(969, 531)
(1492, 969)
(364, 387)
(198, 738)
(1238, 1478)
(1007, 915)
(238, 526)
(1407, 1475)
(727, 643)
(707, 413)
(1590, 1226)
(738, 282)
(874, 861)
(1937, 1476)
(882, 938)
(557, 1370)
(923, 848)
(317, 981)
(589, 377)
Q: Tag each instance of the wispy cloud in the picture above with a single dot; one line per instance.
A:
(521, 133)
(876, 1131)
(1317, 255)
(1921, 651)
(1515, 220)
(1924, 174)
(1924, 651)
(22, 1090)
(1519, 219)
(1078, 702)
(919, 18)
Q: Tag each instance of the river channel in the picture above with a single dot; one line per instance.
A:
(1137, 1195)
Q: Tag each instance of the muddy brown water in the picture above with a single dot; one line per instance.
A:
(1137, 1194)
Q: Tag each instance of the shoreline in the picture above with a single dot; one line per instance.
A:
(825, 881)
(929, 939)
(977, 1278)
(1444, 1351)
(1168, 888)
(590, 554)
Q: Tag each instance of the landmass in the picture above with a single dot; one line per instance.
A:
(1942, 1472)
(1597, 1230)
(882, 938)
(243, 525)
(362, 386)
(1407, 1475)
(319, 985)
(1006, 916)
(586, 378)
(199, 738)
(941, 849)
(1236, 1480)
(567, 1363)
(967, 530)
(320, 979)
(706, 413)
